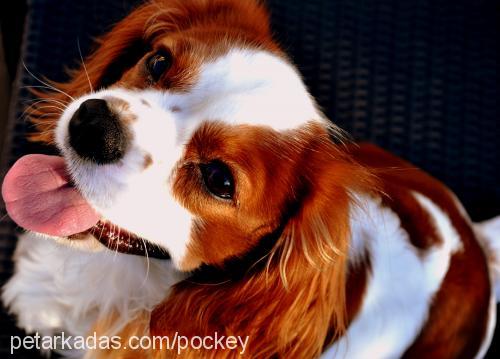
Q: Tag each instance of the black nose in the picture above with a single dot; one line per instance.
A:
(96, 134)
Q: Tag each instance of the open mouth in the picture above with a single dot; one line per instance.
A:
(120, 240)
(40, 197)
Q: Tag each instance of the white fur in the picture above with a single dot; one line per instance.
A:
(125, 191)
(490, 328)
(488, 233)
(446, 230)
(56, 287)
(402, 281)
(247, 87)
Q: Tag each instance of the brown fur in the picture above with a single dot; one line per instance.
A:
(358, 277)
(138, 326)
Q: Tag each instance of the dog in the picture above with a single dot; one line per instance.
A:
(200, 191)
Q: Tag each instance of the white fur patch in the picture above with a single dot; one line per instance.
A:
(59, 288)
(125, 193)
(442, 223)
(488, 233)
(490, 327)
(247, 87)
(401, 285)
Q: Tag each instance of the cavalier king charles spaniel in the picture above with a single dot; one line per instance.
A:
(200, 190)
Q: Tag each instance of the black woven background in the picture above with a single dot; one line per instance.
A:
(418, 77)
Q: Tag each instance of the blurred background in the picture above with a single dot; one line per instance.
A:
(418, 77)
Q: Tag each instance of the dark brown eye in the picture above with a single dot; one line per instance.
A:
(158, 64)
(218, 179)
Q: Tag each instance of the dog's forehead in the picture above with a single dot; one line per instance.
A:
(251, 87)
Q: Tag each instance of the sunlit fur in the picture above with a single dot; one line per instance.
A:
(322, 243)
(215, 27)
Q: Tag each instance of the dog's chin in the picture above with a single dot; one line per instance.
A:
(120, 240)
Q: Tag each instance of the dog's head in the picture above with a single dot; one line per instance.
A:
(190, 128)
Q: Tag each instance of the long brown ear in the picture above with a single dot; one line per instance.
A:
(312, 252)
(291, 302)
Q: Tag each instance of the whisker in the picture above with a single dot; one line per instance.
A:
(84, 67)
(147, 261)
(46, 84)
(34, 104)
(39, 86)
(4, 216)
(49, 106)
(208, 284)
(118, 239)
(258, 261)
(38, 99)
(104, 221)
(43, 116)
(116, 247)
(102, 230)
(47, 132)
(29, 111)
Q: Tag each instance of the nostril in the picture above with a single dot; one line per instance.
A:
(94, 106)
(96, 133)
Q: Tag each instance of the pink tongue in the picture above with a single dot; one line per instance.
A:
(38, 197)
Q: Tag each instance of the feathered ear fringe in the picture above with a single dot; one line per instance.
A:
(317, 237)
